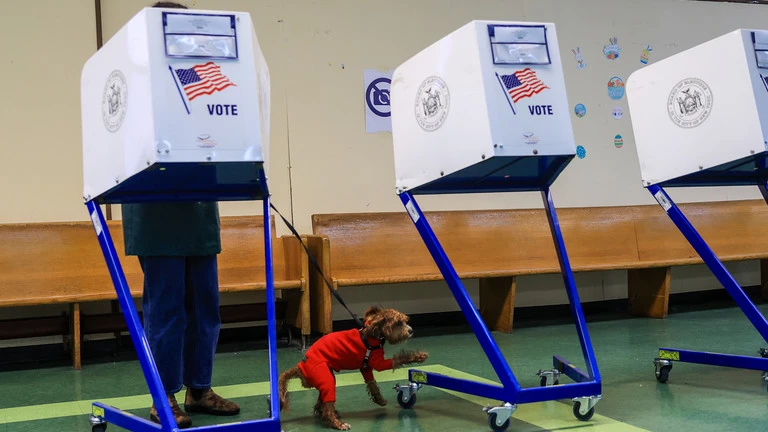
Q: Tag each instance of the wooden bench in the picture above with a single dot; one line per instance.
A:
(496, 246)
(62, 263)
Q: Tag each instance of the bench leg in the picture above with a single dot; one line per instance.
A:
(649, 292)
(321, 306)
(75, 335)
(298, 313)
(497, 302)
(306, 317)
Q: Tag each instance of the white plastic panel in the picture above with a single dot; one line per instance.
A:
(142, 105)
(454, 105)
(698, 109)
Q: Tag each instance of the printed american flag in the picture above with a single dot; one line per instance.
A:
(203, 80)
(523, 84)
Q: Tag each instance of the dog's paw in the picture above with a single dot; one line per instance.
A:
(345, 426)
(420, 357)
(380, 401)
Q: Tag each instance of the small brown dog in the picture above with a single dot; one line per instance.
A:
(351, 350)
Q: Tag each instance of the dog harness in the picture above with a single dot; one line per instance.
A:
(369, 349)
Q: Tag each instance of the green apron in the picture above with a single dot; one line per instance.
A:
(172, 229)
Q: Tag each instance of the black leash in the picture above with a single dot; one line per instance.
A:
(317, 266)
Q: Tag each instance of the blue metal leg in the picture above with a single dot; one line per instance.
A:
(570, 370)
(668, 355)
(274, 400)
(764, 188)
(135, 328)
(573, 294)
(460, 293)
(587, 388)
(710, 259)
(126, 420)
(131, 422)
(714, 359)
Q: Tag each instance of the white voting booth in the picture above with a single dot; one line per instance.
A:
(700, 118)
(701, 112)
(175, 95)
(486, 95)
(175, 107)
(483, 110)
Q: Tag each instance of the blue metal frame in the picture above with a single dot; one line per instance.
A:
(131, 422)
(755, 317)
(587, 383)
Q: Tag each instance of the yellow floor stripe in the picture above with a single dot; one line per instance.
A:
(546, 415)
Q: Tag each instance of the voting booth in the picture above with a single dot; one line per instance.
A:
(481, 104)
(175, 107)
(700, 119)
(703, 122)
(485, 110)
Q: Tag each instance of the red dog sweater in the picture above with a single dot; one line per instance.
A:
(337, 351)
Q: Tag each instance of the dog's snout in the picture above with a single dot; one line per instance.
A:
(410, 331)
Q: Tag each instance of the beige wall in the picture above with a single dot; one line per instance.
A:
(322, 161)
(45, 44)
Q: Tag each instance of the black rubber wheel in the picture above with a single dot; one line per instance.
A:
(577, 414)
(662, 374)
(494, 427)
(407, 405)
(99, 428)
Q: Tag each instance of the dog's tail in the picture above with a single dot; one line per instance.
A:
(282, 385)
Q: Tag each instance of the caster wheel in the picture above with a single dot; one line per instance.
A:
(494, 427)
(662, 373)
(99, 428)
(578, 415)
(543, 382)
(409, 404)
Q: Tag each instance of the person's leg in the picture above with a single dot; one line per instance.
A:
(164, 324)
(202, 336)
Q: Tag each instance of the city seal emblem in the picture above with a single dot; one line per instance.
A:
(433, 101)
(114, 101)
(689, 103)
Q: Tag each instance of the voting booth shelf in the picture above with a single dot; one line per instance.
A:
(175, 107)
(485, 110)
(700, 118)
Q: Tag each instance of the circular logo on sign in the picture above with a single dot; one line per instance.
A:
(432, 103)
(689, 103)
(113, 101)
(377, 97)
(616, 88)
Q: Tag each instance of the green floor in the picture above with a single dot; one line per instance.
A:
(699, 398)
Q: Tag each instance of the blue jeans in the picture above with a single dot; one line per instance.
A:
(181, 318)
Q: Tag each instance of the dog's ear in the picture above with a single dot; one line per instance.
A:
(374, 323)
(373, 310)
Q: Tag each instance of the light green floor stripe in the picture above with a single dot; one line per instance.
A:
(546, 415)
(83, 407)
